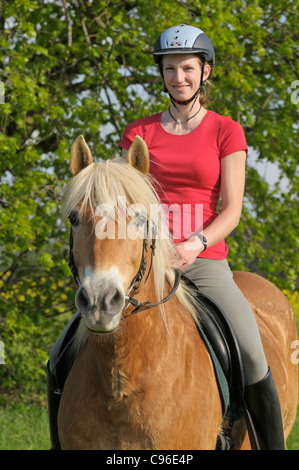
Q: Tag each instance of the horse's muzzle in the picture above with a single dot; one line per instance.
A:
(101, 307)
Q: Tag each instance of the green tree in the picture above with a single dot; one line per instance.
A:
(74, 67)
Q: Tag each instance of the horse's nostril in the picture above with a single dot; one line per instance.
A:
(116, 297)
(113, 301)
(82, 300)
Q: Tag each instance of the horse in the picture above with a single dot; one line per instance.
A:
(143, 378)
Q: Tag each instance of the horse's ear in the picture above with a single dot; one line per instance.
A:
(138, 155)
(80, 155)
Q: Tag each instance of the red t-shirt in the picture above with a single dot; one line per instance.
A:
(187, 168)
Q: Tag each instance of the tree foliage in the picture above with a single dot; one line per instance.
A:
(74, 67)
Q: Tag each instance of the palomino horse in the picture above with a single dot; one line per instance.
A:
(145, 380)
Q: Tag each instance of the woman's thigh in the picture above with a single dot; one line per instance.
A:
(215, 279)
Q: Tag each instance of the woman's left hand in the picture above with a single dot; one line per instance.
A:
(186, 252)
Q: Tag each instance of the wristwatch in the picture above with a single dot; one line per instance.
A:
(203, 240)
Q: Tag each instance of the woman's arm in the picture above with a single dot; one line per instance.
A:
(232, 190)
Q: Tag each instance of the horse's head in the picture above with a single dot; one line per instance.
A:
(105, 257)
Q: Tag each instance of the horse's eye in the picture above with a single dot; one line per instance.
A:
(74, 218)
(140, 220)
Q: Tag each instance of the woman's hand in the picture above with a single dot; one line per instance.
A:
(186, 252)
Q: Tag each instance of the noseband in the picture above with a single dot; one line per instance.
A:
(135, 284)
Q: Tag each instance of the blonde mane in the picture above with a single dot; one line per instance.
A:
(103, 183)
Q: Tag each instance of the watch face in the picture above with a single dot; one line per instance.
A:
(202, 238)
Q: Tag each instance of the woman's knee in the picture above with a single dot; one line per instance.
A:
(255, 364)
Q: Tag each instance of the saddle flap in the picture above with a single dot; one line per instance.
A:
(217, 328)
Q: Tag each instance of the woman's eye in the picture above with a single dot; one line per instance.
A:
(74, 218)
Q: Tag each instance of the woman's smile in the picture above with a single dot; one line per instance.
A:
(180, 87)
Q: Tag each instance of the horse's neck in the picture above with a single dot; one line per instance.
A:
(135, 336)
(142, 341)
(119, 360)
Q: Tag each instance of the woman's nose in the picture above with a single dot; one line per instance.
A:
(179, 76)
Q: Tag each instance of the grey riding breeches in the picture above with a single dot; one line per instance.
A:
(215, 279)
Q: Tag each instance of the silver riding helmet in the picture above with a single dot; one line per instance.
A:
(185, 39)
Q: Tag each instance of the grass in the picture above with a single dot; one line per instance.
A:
(24, 427)
(293, 439)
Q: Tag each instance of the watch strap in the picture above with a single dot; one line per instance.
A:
(203, 240)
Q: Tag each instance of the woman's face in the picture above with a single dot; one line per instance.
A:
(182, 73)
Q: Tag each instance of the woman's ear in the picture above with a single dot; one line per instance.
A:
(206, 72)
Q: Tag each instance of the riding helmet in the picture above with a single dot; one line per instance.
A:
(184, 39)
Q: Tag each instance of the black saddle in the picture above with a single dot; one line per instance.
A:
(219, 332)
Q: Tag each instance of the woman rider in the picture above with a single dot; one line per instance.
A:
(196, 155)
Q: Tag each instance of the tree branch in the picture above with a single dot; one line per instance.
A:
(69, 24)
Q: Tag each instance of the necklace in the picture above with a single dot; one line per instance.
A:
(178, 121)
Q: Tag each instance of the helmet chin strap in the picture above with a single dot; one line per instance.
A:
(184, 103)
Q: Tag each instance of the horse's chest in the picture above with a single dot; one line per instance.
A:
(119, 385)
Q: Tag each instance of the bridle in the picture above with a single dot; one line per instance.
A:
(135, 284)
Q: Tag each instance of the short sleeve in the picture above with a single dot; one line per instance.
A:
(231, 138)
(126, 140)
(128, 136)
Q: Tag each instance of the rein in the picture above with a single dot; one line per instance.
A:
(135, 284)
(145, 305)
(71, 261)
